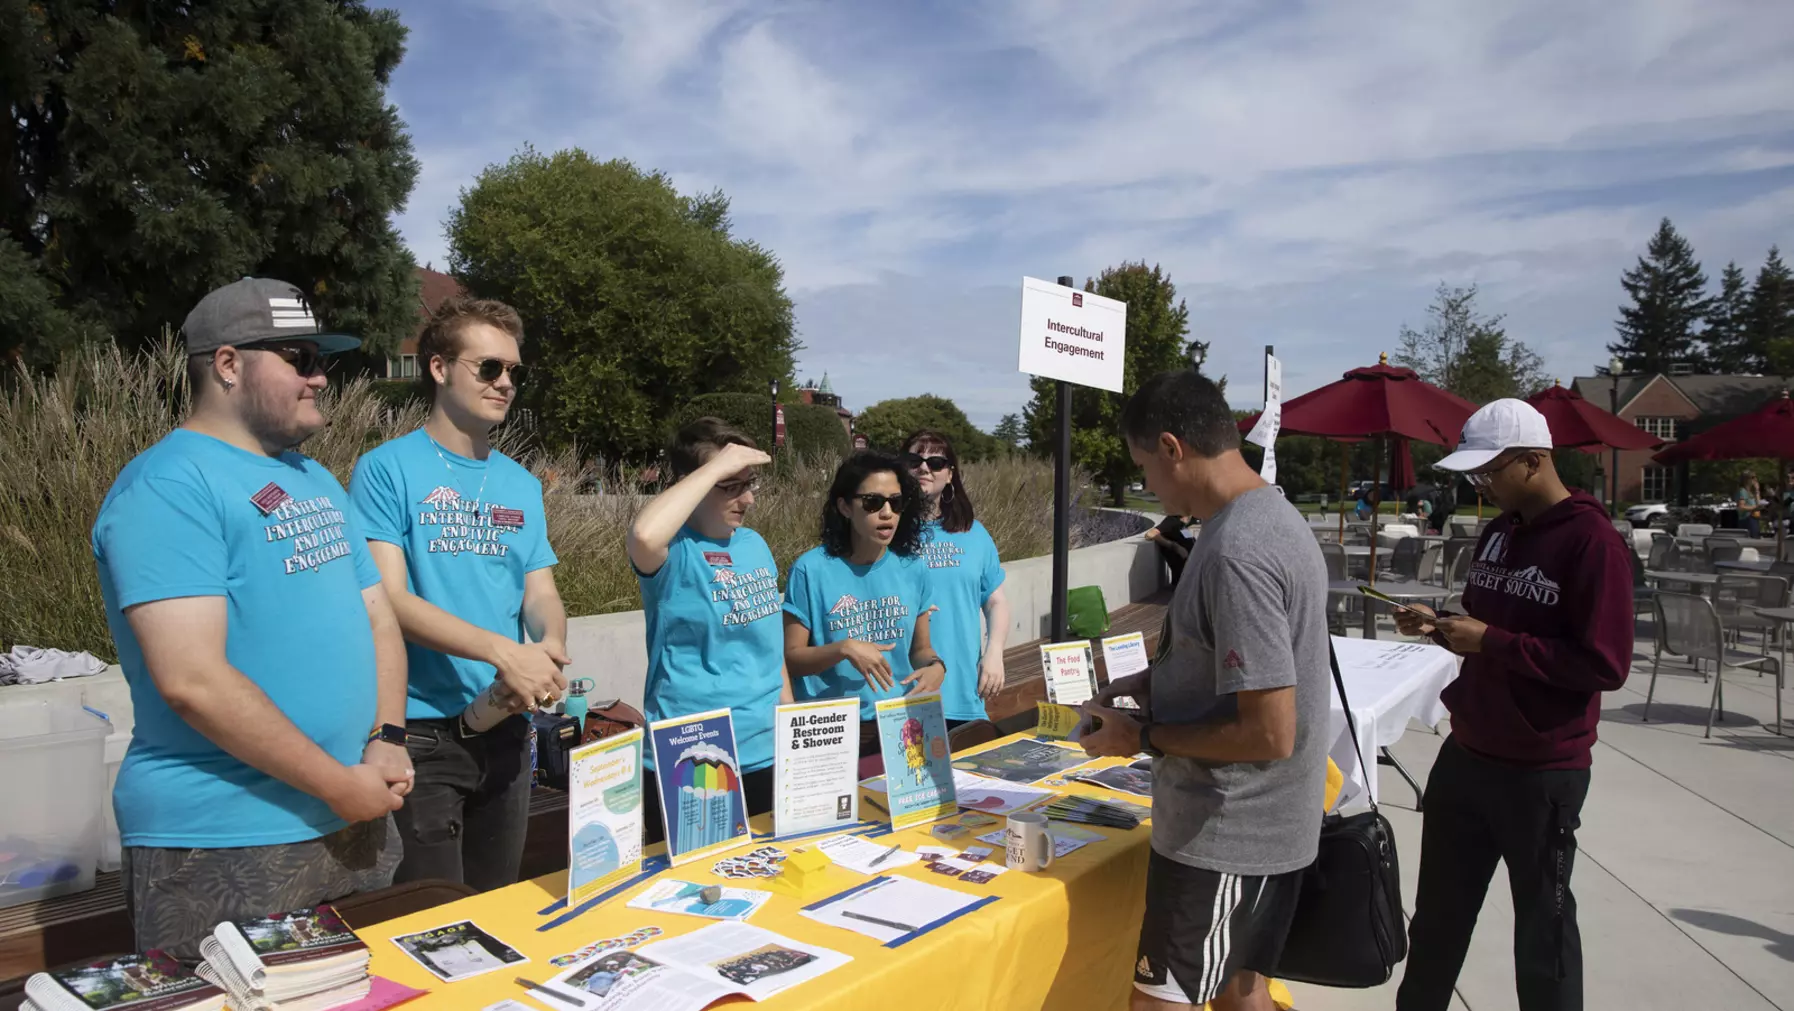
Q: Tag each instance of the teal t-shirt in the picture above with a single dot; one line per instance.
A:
(471, 529)
(878, 603)
(963, 571)
(714, 636)
(195, 517)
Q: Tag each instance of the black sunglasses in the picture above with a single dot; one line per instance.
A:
(874, 503)
(307, 361)
(911, 461)
(487, 370)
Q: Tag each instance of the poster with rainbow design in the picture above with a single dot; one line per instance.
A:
(701, 804)
(912, 736)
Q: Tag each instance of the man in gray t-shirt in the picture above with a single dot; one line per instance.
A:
(1234, 713)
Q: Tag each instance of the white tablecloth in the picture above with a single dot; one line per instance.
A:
(1389, 683)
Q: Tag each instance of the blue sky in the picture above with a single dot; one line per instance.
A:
(1306, 172)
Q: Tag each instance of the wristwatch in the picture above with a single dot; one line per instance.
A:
(388, 732)
(1146, 741)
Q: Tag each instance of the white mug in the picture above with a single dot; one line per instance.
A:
(1028, 842)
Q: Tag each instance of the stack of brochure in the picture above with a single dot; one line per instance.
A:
(1090, 811)
(152, 980)
(305, 960)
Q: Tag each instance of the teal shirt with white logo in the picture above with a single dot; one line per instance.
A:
(963, 571)
(471, 530)
(878, 603)
(196, 517)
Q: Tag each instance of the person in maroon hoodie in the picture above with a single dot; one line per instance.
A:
(1548, 628)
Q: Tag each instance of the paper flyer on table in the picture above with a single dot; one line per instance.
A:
(981, 793)
(459, 950)
(691, 972)
(670, 896)
(1135, 779)
(816, 760)
(604, 814)
(701, 806)
(1023, 761)
(891, 908)
(865, 856)
(912, 734)
(1070, 674)
(1067, 839)
(1125, 654)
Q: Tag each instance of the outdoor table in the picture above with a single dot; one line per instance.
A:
(1389, 683)
(1785, 616)
(1701, 581)
(1062, 938)
(1403, 590)
(1761, 565)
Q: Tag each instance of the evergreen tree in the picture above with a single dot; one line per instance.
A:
(156, 150)
(1769, 317)
(1009, 431)
(1158, 326)
(1669, 298)
(1728, 350)
(1468, 353)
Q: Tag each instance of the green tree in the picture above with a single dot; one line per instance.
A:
(154, 151)
(1669, 299)
(1769, 317)
(1158, 327)
(1727, 337)
(636, 299)
(1467, 352)
(810, 429)
(887, 423)
(1009, 431)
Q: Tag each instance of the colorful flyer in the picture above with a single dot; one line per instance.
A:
(912, 734)
(1057, 721)
(1125, 654)
(701, 805)
(1070, 674)
(604, 814)
(816, 761)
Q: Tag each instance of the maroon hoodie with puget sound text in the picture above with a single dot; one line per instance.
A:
(1556, 594)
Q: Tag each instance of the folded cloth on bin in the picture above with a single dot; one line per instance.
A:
(29, 665)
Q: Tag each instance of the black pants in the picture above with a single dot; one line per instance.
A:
(1478, 812)
(467, 815)
(756, 792)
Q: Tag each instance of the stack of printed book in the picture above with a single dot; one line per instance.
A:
(306, 960)
(152, 981)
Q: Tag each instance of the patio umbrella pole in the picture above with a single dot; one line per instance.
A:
(1376, 509)
(1345, 463)
(1781, 495)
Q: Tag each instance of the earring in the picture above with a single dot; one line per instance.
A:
(229, 383)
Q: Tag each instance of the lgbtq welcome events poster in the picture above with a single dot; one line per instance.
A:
(912, 736)
(701, 804)
(604, 814)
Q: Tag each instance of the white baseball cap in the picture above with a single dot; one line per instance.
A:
(1495, 429)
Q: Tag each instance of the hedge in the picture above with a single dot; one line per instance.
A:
(809, 428)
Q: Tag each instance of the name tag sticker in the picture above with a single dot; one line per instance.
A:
(270, 498)
(719, 558)
(507, 517)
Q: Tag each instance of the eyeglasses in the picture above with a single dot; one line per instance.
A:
(1482, 479)
(487, 370)
(306, 360)
(875, 503)
(913, 461)
(736, 489)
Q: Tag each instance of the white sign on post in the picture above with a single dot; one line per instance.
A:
(1077, 336)
(1264, 431)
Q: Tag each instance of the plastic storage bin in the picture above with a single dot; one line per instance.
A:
(52, 794)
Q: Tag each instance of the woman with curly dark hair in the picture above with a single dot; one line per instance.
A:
(856, 608)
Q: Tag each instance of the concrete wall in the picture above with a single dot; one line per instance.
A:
(611, 649)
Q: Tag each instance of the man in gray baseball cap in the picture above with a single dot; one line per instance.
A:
(265, 663)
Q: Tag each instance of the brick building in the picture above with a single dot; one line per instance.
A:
(432, 288)
(825, 396)
(1670, 407)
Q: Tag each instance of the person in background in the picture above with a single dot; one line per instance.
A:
(266, 667)
(461, 538)
(1172, 537)
(857, 607)
(1750, 504)
(1234, 715)
(1365, 507)
(710, 599)
(966, 578)
(1547, 628)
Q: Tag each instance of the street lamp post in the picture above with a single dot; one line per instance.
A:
(1613, 404)
(773, 385)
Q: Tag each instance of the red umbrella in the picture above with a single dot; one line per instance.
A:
(1576, 423)
(1767, 431)
(1379, 401)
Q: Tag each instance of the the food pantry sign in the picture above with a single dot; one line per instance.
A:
(1072, 335)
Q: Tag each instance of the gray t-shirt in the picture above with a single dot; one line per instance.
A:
(1249, 614)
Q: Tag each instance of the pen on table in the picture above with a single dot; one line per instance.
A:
(556, 993)
(886, 855)
(877, 805)
(863, 918)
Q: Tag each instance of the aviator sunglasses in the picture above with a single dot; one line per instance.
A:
(487, 370)
(935, 463)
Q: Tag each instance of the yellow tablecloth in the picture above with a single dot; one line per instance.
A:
(1064, 938)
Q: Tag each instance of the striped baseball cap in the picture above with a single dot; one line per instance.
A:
(257, 310)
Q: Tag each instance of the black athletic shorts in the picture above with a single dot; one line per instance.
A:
(1203, 927)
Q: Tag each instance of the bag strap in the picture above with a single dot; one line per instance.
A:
(1351, 724)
